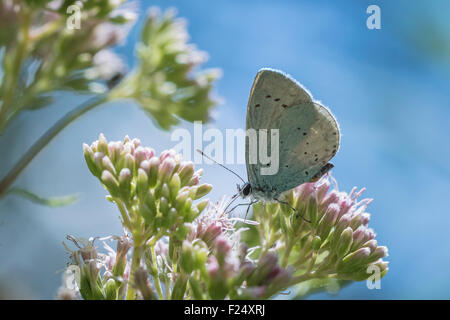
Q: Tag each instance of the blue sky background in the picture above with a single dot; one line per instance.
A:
(388, 89)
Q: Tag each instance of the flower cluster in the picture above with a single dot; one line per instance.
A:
(326, 236)
(186, 250)
(154, 194)
(164, 83)
(228, 271)
(238, 277)
(52, 46)
(97, 276)
(43, 53)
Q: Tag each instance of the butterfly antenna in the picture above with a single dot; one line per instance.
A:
(203, 154)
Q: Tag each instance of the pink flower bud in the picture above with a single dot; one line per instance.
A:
(332, 197)
(185, 172)
(98, 157)
(110, 183)
(142, 183)
(322, 189)
(356, 258)
(371, 244)
(115, 148)
(145, 165)
(379, 253)
(153, 172)
(87, 149)
(362, 235)
(166, 169)
(345, 205)
(129, 148)
(125, 175)
(140, 155)
(94, 146)
(136, 142)
(202, 190)
(223, 247)
(129, 162)
(102, 145)
(332, 213)
(305, 191)
(108, 165)
(166, 154)
(90, 160)
(212, 266)
(212, 231)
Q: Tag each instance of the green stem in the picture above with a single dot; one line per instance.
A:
(287, 253)
(312, 262)
(156, 279)
(266, 235)
(135, 263)
(167, 285)
(301, 278)
(301, 260)
(12, 175)
(124, 214)
(269, 241)
(152, 241)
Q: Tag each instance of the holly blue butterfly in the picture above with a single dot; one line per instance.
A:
(308, 135)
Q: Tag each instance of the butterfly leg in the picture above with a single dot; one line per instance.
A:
(288, 204)
(241, 204)
(248, 208)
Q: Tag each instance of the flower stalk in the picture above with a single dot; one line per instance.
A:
(45, 139)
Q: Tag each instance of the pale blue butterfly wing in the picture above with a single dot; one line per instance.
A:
(308, 133)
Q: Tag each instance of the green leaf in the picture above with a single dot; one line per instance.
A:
(49, 201)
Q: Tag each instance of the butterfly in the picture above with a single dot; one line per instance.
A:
(308, 136)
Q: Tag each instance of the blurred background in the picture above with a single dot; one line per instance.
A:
(388, 88)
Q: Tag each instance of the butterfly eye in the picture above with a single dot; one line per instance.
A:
(246, 190)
